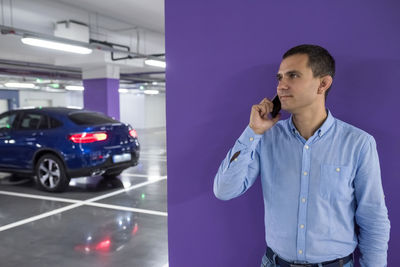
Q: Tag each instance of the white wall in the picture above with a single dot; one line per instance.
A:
(132, 110)
(3, 105)
(143, 111)
(155, 111)
(56, 99)
(75, 99)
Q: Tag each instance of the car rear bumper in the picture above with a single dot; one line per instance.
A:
(107, 167)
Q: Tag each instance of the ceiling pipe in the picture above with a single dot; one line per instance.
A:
(39, 66)
(145, 73)
(54, 75)
(28, 69)
(94, 44)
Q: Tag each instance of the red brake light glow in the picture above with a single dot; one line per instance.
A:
(83, 138)
(133, 133)
(135, 229)
(103, 245)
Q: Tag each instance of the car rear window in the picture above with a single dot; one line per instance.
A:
(90, 118)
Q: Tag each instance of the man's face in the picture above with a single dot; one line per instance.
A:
(297, 88)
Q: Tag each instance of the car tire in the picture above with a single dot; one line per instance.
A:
(111, 175)
(50, 174)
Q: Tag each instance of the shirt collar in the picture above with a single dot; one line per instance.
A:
(322, 130)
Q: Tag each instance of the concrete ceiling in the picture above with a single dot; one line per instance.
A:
(145, 13)
(138, 24)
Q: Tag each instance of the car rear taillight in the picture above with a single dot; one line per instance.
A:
(83, 138)
(133, 133)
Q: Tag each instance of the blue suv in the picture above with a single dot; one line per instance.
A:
(56, 144)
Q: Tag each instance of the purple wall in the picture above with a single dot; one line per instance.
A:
(222, 57)
(102, 95)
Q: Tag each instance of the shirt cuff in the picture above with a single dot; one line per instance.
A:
(249, 138)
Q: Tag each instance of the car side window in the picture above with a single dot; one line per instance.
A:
(54, 123)
(7, 120)
(44, 122)
(33, 121)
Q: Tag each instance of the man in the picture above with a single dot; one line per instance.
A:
(320, 176)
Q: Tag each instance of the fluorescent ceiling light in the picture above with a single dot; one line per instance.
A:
(155, 63)
(54, 90)
(151, 92)
(56, 45)
(122, 90)
(74, 88)
(20, 85)
(40, 80)
(55, 85)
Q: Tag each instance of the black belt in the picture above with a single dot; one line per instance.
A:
(282, 263)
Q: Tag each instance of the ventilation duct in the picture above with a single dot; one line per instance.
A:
(73, 30)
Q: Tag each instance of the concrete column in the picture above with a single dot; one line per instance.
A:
(101, 90)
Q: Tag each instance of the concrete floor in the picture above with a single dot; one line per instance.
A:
(95, 222)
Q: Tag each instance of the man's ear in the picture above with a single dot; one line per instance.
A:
(325, 83)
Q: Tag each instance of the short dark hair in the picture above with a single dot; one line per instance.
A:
(319, 60)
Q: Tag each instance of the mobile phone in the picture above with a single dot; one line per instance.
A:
(277, 106)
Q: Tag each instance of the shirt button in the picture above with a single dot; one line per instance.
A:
(235, 159)
(302, 226)
(303, 200)
(305, 173)
(338, 169)
(306, 146)
(251, 138)
(300, 251)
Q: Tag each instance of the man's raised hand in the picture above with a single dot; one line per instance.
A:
(260, 122)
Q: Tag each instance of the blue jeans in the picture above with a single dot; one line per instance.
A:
(267, 263)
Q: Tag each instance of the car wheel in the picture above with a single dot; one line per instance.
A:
(50, 174)
(111, 175)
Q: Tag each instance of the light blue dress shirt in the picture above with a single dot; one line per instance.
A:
(315, 191)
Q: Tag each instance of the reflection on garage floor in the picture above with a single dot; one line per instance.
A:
(96, 222)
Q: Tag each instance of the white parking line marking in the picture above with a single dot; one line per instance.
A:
(144, 175)
(38, 217)
(76, 205)
(60, 199)
(115, 207)
(125, 190)
(108, 206)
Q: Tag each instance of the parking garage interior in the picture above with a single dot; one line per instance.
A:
(222, 59)
(120, 72)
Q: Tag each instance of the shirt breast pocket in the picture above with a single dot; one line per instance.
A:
(335, 182)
